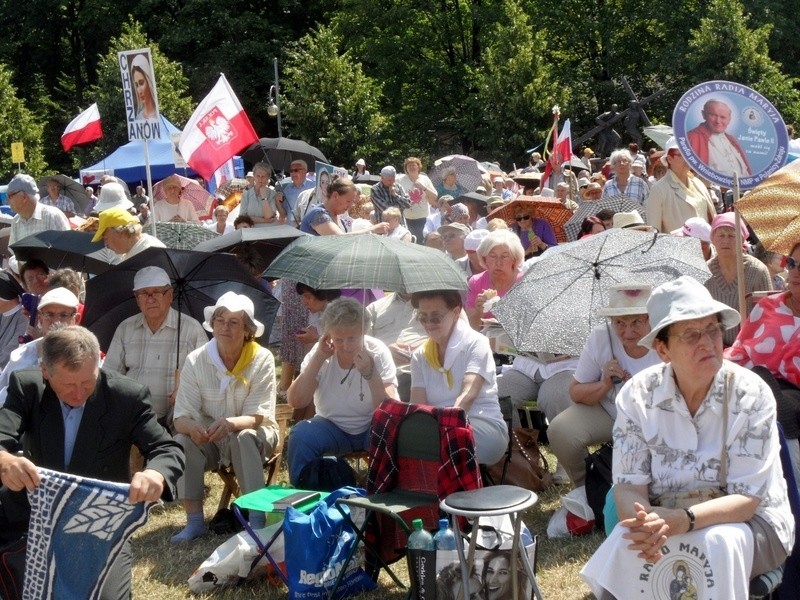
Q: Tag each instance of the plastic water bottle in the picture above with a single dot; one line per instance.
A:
(419, 538)
(444, 539)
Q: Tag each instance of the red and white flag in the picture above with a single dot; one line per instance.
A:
(83, 129)
(562, 152)
(217, 130)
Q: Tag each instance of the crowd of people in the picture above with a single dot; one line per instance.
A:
(664, 362)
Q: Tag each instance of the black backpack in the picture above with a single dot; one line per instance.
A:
(326, 475)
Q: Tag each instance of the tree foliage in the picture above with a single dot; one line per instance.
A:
(329, 102)
(18, 124)
(171, 83)
(724, 46)
(387, 80)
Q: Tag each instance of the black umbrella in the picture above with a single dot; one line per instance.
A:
(69, 187)
(267, 241)
(479, 200)
(58, 249)
(368, 179)
(200, 278)
(280, 152)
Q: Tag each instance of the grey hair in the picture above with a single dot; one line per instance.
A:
(130, 229)
(344, 312)
(262, 166)
(617, 154)
(249, 327)
(502, 237)
(300, 162)
(69, 346)
(447, 172)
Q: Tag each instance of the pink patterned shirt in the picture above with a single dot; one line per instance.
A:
(770, 337)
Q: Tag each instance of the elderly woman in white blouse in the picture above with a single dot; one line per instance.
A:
(454, 367)
(225, 408)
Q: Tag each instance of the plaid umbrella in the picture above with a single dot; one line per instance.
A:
(334, 262)
(618, 203)
(553, 307)
(468, 171)
(772, 209)
(184, 236)
(540, 207)
(192, 191)
(69, 187)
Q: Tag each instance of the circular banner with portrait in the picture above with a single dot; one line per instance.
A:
(722, 128)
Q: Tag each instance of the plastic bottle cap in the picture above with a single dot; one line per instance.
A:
(444, 523)
(417, 523)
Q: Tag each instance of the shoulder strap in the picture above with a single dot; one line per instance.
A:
(723, 468)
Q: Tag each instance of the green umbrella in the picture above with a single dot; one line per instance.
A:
(367, 262)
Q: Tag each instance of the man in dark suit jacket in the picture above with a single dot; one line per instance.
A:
(79, 419)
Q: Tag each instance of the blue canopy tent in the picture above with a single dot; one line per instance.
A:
(127, 161)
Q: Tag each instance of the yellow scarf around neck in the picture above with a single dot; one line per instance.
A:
(245, 358)
(431, 353)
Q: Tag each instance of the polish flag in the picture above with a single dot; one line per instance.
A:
(82, 129)
(216, 131)
(562, 152)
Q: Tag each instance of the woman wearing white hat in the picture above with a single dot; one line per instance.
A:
(611, 356)
(225, 408)
(696, 469)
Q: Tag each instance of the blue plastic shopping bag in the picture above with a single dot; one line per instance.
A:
(317, 546)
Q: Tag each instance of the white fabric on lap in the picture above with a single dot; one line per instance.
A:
(718, 561)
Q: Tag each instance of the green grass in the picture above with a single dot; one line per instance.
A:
(161, 569)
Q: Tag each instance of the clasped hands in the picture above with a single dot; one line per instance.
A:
(648, 532)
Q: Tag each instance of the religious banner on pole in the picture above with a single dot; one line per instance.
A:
(139, 92)
(724, 128)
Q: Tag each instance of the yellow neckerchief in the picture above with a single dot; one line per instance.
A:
(431, 353)
(245, 358)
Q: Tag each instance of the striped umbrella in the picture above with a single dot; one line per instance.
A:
(367, 262)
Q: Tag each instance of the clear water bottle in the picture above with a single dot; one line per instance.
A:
(419, 538)
(444, 539)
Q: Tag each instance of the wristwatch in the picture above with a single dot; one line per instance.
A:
(690, 514)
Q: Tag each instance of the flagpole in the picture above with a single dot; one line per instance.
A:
(149, 187)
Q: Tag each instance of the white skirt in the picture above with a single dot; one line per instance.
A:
(711, 563)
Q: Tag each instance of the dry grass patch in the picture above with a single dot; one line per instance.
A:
(161, 569)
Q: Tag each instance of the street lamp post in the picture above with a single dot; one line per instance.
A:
(274, 108)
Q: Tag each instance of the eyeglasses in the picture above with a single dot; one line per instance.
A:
(223, 323)
(12, 194)
(449, 236)
(522, 218)
(144, 294)
(693, 336)
(498, 257)
(50, 316)
(433, 319)
(791, 264)
(295, 170)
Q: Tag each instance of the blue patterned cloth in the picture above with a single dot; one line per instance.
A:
(77, 528)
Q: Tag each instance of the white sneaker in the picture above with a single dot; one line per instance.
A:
(560, 477)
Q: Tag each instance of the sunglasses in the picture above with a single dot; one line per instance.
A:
(523, 218)
(791, 264)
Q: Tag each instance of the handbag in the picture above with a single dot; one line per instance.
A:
(12, 568)
(525, 466)
(317, 546)
(599, 480)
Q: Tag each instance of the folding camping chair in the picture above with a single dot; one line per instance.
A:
(413, 489)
